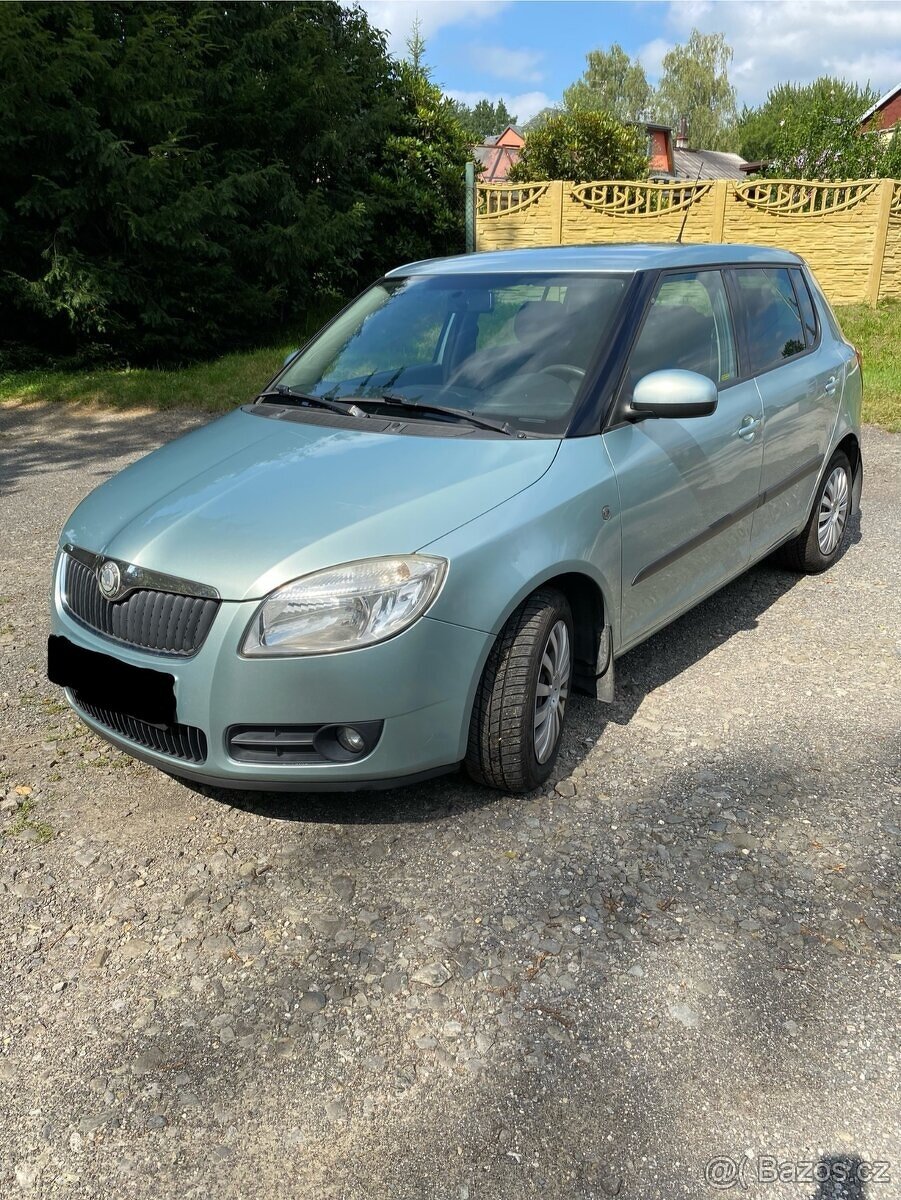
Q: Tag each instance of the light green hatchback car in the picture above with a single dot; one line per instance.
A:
(481, 483)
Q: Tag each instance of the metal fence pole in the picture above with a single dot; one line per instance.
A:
(470, 186)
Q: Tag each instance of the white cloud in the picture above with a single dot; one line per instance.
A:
(504, 63)
(524, 105)
(651, 56)
(396, 17)
(792, 40)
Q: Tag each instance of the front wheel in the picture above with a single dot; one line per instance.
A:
(820, 542)
(520, 707)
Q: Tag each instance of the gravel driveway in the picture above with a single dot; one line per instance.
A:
(688, 947)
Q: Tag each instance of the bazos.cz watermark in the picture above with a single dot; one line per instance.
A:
(725, 1172)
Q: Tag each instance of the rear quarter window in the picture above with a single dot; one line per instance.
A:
(808, 315)
(826, 309)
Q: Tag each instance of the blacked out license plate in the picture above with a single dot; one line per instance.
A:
(110, 683)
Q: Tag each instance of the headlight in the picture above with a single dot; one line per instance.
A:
(345, 607)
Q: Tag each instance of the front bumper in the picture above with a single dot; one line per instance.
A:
(420, 684)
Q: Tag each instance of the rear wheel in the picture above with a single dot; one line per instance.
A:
(821, 540)
(520, 707)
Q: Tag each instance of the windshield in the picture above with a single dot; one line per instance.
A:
(514, 348)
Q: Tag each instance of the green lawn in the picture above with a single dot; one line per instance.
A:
(222, 384)
(876, 332)
(215, 386)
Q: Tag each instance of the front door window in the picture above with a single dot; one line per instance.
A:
(688, 327)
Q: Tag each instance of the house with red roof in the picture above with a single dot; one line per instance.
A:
(669, 158)
(498, 154)
(884, 114)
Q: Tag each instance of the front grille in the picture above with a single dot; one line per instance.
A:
(165, 622)
(178, 741)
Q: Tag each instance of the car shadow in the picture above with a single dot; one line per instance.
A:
(734, 609)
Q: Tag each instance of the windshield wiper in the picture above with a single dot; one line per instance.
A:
(283, 392)
(459, 414)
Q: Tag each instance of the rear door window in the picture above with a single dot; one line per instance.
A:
(772, 315)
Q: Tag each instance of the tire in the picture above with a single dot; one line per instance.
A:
(507, 749)
(822, 539)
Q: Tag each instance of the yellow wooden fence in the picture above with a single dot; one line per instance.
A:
(849, 233)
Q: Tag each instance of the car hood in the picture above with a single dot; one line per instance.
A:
(245, 504)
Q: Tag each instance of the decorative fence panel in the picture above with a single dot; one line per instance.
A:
(611, 212)
(849, 232)
(508, 217)
(890, 284)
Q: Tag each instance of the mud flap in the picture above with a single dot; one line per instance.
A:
(857, 486)
(605, 673)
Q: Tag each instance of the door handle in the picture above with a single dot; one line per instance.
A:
(830, 386)
(748, 427)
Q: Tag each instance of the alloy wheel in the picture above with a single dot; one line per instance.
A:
(833, 511)
(552, 691)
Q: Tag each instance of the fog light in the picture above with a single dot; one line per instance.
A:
(351, 740)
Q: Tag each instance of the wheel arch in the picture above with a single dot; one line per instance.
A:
(850, 444)
(592, 615)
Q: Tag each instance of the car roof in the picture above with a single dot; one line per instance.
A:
(623, 257)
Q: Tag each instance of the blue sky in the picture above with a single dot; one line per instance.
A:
(527, 51)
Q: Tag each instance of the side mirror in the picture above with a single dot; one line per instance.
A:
(674, 394)
(290, 357)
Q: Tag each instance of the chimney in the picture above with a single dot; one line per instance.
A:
(682, 135)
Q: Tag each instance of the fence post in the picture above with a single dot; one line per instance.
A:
(720, 192)
(555, 191)
(470, 209)
(874, 279)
